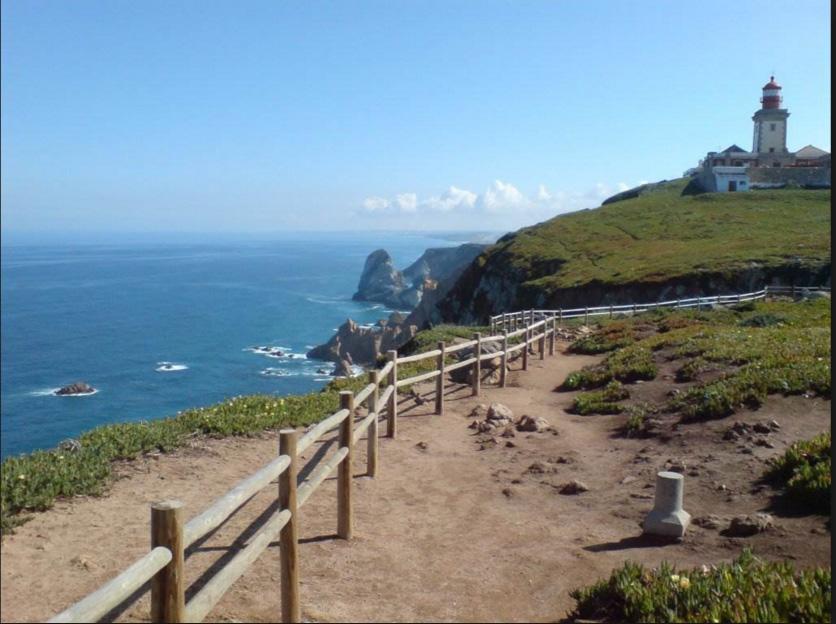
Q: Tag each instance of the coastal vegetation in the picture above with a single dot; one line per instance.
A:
(745, 590)
(650, 246)
(803, 472)
(735, 357)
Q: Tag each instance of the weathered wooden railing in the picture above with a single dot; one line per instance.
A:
(164, 565)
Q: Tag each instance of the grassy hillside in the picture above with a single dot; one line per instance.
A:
(648, 245)
(662, 234)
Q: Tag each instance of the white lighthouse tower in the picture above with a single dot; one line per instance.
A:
(771, 122)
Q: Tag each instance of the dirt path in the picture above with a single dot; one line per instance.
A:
(444, 533)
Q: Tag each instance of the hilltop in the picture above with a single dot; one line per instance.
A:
(654, 242)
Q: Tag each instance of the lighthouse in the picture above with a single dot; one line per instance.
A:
(770, 136)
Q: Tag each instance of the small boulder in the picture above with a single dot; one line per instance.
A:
(761, 428)
(531, 423)
(500, 412)
(574, 487)
(746, 526)
(70, 445)
(480, 411)
(710, 521)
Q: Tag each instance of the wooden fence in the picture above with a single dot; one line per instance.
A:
(514, 319)
(164, 564)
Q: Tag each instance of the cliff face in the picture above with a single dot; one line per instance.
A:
(380, 280)
(653, 243)
(383, 283)
(357, 344)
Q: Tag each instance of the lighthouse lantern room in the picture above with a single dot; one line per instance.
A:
(770, 136)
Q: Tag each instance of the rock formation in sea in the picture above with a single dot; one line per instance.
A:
(364, 344)
(76, 388)
(381, 282)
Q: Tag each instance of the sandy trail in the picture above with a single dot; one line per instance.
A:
(444, 533)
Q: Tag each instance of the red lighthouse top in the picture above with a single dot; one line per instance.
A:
(771, 94)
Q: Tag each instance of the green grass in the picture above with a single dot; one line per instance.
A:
(803, 471)
(789, 354)
(746, 590)
(662, 235)
(34, 481)
(428, 339)
(602, 401)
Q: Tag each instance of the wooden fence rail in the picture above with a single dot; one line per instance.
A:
(164, 565)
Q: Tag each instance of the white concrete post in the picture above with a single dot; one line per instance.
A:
(668, 517)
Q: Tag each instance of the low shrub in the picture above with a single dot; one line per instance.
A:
(763, 320)
(601, 402)
(610, 337)
(745, 590)
(804, 473)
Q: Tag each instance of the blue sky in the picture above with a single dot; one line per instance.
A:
(261, 116)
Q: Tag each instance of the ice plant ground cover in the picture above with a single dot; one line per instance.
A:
(751, 351)
(745, 590)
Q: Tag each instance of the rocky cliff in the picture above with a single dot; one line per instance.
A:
(653, 243)
(357, 344)
(383, 283)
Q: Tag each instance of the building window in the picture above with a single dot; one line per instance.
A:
(771, 149)
(772, 126)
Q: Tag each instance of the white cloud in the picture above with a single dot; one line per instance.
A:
(501, 203)
(452, 199)
(503, 197)
(407, 202)
(375, 204)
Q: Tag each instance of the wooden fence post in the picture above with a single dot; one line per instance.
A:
(439, 381)
(699, 303)
(503, 371)
(552, 336)
(610, 311)
(634, 309)
(792, 290)
(344, 519)
(371, 460)
(477, 365)
(525, 348)
(541, 342)
(560, 319)
(289, 536)
(168, 602)
(392, 407)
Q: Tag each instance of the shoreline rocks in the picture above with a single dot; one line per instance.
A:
(78, 387)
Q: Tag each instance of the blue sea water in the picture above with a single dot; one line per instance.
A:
(110, 314)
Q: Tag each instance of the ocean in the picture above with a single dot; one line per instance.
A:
(158, 327)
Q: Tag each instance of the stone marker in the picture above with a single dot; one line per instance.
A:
(667, 517)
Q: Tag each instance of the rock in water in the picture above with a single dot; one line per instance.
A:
(76, 388)
(380, 280)
(363, 345)
(342, 369)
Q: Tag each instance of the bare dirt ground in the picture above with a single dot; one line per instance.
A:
(448, 530)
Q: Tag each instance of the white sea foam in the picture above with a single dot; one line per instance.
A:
(47, 392)
(168, 367)
(275, 372)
